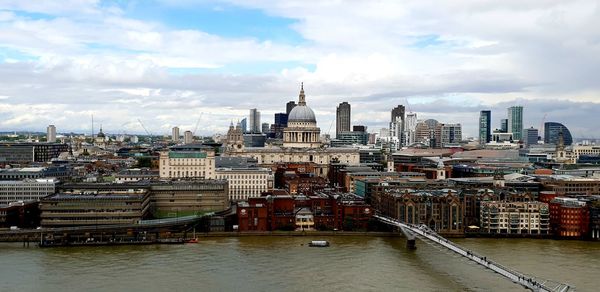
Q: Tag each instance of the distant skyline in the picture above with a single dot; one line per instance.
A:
(167, 61)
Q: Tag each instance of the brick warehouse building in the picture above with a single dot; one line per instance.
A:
(322, 211)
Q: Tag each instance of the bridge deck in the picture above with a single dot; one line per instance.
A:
(515, 276)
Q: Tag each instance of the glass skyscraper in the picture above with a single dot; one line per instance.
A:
(515, 122)
(485, 127)
(552, 132)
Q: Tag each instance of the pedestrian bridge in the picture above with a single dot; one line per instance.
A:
(422, 231)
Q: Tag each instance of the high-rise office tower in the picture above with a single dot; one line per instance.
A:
(397, 125)
(244, 125)
(342, 118)
(515, 122)
(485, 127)
(504, 126)
(552, 132)
(51, 134)
(188, 137)
(531, 136)
(451, 134)
(175, 134)
(410, 127)
(289, 106)
(254, 121)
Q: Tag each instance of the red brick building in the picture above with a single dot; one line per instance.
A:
(569, 217)
(322, 211)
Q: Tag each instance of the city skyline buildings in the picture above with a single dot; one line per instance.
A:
(343, 118)
(485, 126)
(515, 122)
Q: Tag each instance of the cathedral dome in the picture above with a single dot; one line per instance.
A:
(302, 113)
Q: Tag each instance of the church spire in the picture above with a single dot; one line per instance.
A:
(302, 100)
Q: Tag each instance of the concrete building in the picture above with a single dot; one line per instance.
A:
(342, 118)
(350, 138)
(68, 210)
(188, 137)
(51, 134)
(514, 217)
(187, 161)
(244, 183)
(485, 127)
(397, 127)
(175, 134)
(531, 136)
(62, 171)
(254, 125)
(26, 190)
(451, 134)
(183, 198)
(515, 122)
(429, 132)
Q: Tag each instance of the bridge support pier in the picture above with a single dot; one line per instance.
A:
(411, 243)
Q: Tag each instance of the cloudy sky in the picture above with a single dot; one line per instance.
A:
(172, 62)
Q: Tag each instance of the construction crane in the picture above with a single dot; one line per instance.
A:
(144, 127)
(197, 123)
(331, 125)
(542, 124)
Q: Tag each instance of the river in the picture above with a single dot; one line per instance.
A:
(351, 263)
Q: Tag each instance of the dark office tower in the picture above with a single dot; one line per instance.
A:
(398, 112)
(359, 128)
(342, 118)
(552, 132)
(531, 136)
(485, 127)
(504, 125)
(289, 106)
(281, 119)
(266, 128)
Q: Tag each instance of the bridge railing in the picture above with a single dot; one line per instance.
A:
(515, 276)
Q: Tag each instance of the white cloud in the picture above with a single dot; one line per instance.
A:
(89, 57)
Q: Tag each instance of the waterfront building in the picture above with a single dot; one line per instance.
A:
(552, 132)
(70, 210)
(51, 134)
(27, 190)
(504, 217)
(188, 197)
(485, 127)
(254, 121)
(20, 214)
(569, 217)
(342, 118)
(531, 136)
(175, 135)
(188, 137)
(246, 182)
(515, 122)
(187, 161)
(441, 210)
(30, 152)
(321, 211)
